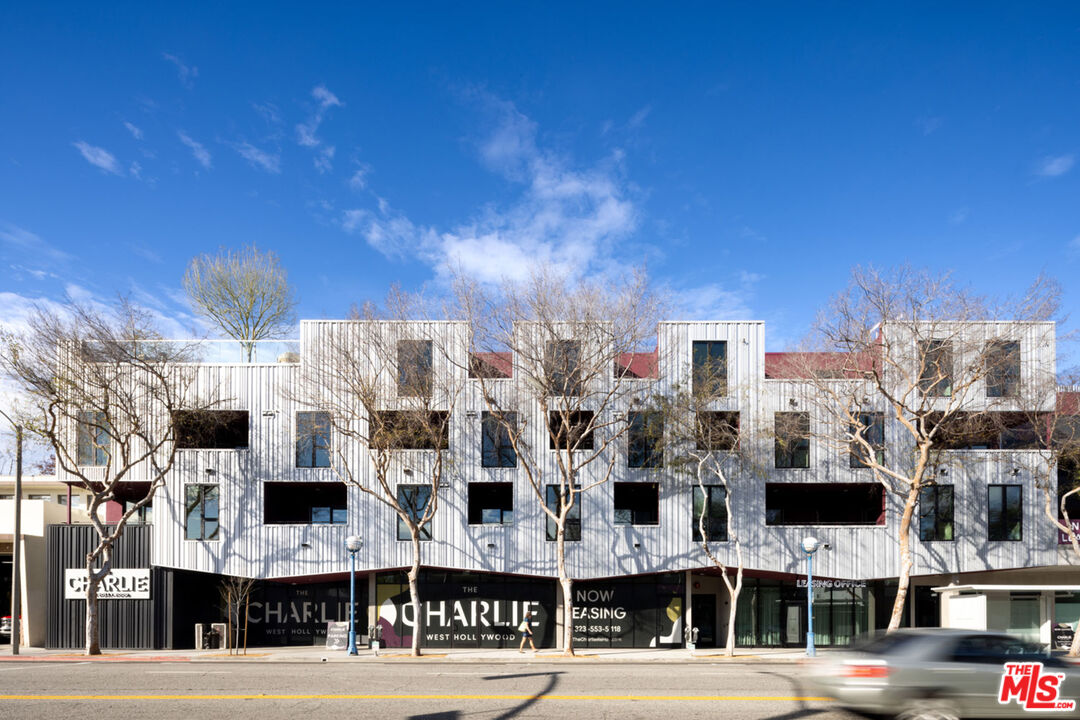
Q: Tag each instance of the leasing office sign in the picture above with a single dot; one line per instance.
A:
(117, 585)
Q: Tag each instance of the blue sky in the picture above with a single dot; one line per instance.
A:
(749, 153)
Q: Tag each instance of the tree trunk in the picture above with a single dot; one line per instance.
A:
(729, 646)
(93, 646)
(1074, 648)
(414, 592)
(904, 536)
(567, 589)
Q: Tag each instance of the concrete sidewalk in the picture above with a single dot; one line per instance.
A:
(434, 655)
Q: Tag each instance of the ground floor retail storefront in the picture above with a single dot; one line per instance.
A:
(154, 607)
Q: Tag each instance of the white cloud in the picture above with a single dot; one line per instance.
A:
(136, 132)
(270, 162)
(1055, 165)
(185, 73)
(202, 155)
(99, 157)
(959, 216)
(305, 131)
(136, 170)
(573, 219)
(928, 124)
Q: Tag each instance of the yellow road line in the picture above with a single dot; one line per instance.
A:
(605, 698)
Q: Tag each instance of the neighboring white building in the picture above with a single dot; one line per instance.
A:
(258, 500)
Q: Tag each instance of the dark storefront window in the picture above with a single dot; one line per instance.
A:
(772, 613)
(637, 503)
(465, 609)
(641, 611)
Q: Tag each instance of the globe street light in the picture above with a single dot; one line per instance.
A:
(810, 545)
(353, 544)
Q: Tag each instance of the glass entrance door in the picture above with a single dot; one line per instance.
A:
(703, 615)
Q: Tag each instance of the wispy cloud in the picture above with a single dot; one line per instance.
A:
(136, 131)
(959, 216)
(358, 181)
(145, 253)
(184, 72)
(270, 162)
(1054, 165)
(306, 132)
(30, 243)
(567, 217)
(99, 157)
(202, 155)
(928, 124)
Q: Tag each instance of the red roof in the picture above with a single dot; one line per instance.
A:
(804, 365)
(639, 365)
(492, 364)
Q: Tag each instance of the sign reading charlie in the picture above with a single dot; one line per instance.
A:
(117, 585)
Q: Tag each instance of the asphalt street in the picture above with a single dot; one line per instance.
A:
(408, 689)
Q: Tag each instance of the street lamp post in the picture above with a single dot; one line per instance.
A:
(810, 545)
(352, 544)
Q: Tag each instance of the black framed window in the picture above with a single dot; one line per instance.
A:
(410, 429)
(570, 430)
(414, 368)
(491, 503)
(312, 439)
(645, 438)
(93, 439)
(413, 499)
(824, 504)
(792, 439)
(872, 426)
(936, 368)
(211, 429)
(713, 504)
(573, 516)
(201, 512)
(305, 503)
(563, 367)
(709, 360)
(936, 513)
(1004, 512)
(637, 503)
(717, 430)
(496, 449)
(1002, 369)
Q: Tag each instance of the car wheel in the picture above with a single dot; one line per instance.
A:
(929, 709)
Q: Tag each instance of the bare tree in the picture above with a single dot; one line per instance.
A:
(385, 383)
(105, 391)
(235, 593)
(553, 359)
(716, 451)
(244, 292)
(899, 365)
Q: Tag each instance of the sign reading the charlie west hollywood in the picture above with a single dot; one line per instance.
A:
(120, 584)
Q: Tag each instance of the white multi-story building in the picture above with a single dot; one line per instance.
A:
(259, 497)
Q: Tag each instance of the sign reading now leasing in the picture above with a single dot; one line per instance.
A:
(117, 585)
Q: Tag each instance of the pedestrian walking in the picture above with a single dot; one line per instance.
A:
(526, 633)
